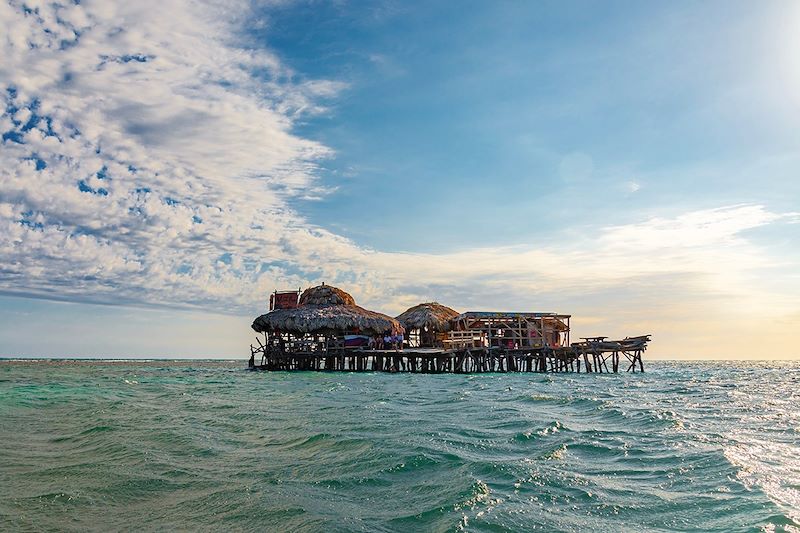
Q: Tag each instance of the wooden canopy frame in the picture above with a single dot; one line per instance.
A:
(515, 330)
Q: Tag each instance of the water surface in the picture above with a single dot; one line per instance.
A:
(195, 445)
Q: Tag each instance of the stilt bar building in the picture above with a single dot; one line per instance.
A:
(322, 328)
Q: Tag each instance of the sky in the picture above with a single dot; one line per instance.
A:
(165, 165)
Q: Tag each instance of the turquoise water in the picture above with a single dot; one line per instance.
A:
(207, 446)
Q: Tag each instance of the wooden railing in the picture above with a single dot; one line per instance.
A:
(458, 340)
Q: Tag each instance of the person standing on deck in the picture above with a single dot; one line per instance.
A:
(387, 340)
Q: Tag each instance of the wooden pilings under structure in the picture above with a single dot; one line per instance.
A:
(594, 355)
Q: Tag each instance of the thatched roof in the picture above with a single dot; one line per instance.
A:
(432, 314)
(326, 295)
(326, 309)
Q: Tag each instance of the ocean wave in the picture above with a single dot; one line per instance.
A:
(203, 446)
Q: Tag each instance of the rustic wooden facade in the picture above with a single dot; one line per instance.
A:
(512, 330)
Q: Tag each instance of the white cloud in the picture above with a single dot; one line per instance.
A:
(697, 228)
(141, 143)
(697, 255)
(632, 186)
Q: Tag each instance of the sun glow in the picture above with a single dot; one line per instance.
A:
(789, 49)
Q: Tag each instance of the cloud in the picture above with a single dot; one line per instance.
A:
(148, 156)
(632, 186)
(141, 142)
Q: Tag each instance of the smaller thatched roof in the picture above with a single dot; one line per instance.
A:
(432, 315)
(326, 295)
(325, 309)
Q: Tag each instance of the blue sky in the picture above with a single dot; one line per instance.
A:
(501, 107)
(635, 164)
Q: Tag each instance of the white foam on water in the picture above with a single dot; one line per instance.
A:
(772, 467)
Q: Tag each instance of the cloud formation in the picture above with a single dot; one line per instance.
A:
(148, 156)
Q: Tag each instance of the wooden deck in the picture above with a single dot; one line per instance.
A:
(595, 354)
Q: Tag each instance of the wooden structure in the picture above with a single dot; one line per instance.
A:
(321, 355)
(602, 350)
(426, 324)
(511, 330)
(320, 323)
(314, 336)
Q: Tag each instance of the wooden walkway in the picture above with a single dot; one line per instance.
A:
(595, 354)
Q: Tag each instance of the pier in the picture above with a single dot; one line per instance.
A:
(323, 329)
(589, 356)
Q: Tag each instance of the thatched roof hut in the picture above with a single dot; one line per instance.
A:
(326, 309)
(433, 315)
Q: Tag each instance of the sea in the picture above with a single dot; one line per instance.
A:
(164, 445)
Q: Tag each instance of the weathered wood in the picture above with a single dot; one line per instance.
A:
(333, 356)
